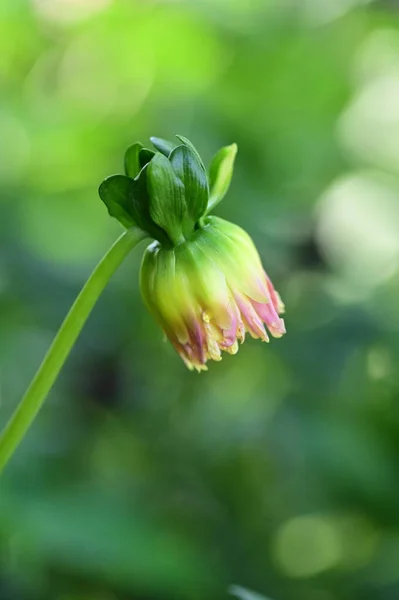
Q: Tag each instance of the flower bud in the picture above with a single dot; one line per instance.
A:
(202, 279)
(207, 292)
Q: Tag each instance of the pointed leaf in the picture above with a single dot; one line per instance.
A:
(115, 193)
(163, 146)
(132, 163)
(167, 202)
(189, 170)
(187, 143)
(145, 156)
(140, 200)
(220, 174)
(127, 200)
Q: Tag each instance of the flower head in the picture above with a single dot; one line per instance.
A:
(202, 279)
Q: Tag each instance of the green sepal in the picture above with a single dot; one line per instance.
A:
(220, 174)
(145, 156)
(163, 146)
(132, 161)
(187, 143)
(115, 192)
(189, 170)
(141, 206)
(136, 157)
(127, 201)
(167, 202)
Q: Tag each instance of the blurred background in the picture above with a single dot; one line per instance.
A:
(278, 469)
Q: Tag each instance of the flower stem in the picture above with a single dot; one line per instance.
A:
(58, 352)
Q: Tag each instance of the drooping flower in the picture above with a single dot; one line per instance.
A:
(202, 278)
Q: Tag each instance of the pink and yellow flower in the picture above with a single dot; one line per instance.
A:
(208, 292)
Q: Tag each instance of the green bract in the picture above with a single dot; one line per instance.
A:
(167, 192)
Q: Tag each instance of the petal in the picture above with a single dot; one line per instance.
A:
(241, 267)
(275, 296)
(198, 342)
(251, 318)
(213, 337)
(269, 315)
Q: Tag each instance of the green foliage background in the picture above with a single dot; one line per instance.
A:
(278, 469)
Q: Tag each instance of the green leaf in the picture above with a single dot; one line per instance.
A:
(167, 203)
(163, 146)
(115, 193)
(220, 174)
(187, 167)
(187, 143)
(145, 156)
(244, 594)
(132, 162)
(140, 200)
(128, 201)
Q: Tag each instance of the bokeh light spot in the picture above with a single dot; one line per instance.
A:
(307, 545)
(369, 127)
(359, 539)
(318, 12)
(69, 11)
(379, 363)
(357, 228)
(378, 54)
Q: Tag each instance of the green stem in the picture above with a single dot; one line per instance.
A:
(48, 371)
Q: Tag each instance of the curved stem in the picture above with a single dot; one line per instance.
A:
(48, 371)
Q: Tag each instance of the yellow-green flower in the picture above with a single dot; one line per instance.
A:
(202, 278)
